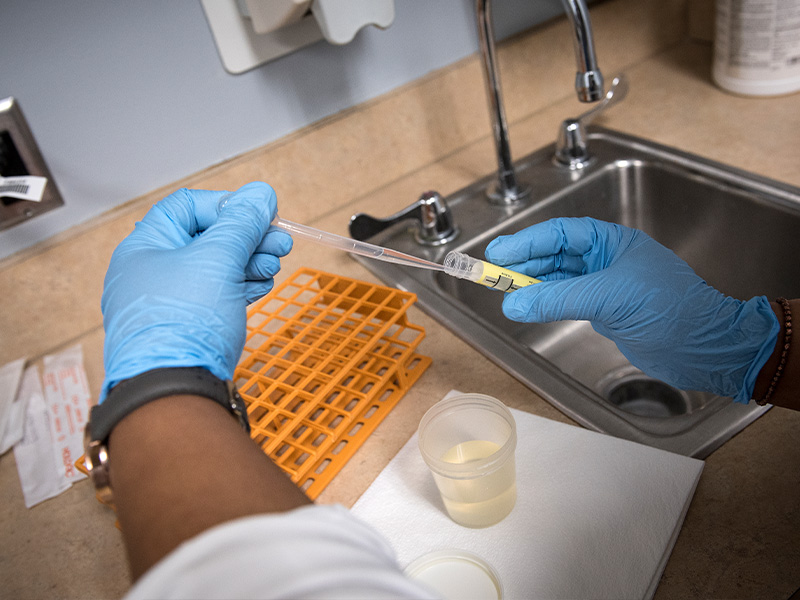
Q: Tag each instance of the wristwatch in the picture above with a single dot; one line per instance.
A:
(133, 393)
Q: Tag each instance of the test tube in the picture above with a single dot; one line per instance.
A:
(464, 266)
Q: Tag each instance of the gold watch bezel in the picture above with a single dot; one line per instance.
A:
(96, 462)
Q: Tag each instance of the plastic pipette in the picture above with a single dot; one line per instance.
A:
(353, 246)
(456, 264)
(347, 244)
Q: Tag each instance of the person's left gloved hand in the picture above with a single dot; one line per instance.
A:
(662, 316)
(177, 288)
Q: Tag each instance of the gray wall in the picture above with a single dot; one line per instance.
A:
(126, 96)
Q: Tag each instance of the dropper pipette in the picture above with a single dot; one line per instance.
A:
(353, 246)
(339, 242)
(456, 264)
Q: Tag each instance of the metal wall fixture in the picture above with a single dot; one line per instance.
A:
(435, 225)
(19, 155)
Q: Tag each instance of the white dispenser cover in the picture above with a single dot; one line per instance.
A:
(340, 20)
(271, 15)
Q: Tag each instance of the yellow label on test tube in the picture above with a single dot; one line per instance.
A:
(503, 279)
(464, 266)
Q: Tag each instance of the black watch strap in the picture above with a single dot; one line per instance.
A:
(130, 394)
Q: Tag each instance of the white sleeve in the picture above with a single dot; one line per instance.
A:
(314, 552)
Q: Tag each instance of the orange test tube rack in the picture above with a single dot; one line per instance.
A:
(325, 360)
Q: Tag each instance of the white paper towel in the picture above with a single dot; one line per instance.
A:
(596, 516)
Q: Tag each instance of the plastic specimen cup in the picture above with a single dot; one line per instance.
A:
(468, 442)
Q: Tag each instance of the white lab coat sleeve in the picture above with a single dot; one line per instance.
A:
(313, 552)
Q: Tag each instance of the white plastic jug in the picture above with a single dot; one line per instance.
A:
(757, 46)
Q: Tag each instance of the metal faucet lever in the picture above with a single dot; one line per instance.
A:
(430, 212)
(588, 85)
(571, 149)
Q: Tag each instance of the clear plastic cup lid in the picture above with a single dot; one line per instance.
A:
(457, 574)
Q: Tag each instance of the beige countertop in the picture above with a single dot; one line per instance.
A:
(740, 537)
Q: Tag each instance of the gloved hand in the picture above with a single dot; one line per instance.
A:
(664, 318)
(177, 288)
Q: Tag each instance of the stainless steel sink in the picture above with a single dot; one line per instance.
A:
(739, 231)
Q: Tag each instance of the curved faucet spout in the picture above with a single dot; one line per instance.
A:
(589, 79)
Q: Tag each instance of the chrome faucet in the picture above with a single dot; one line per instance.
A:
(431, 214)
(588, 85)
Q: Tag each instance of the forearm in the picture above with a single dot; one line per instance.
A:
(786, 392)
(182, 464)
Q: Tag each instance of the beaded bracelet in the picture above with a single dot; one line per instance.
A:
(787, 342)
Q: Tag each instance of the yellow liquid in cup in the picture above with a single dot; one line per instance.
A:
(483, 500)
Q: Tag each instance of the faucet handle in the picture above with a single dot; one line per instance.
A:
(431, 213)
(571, 150)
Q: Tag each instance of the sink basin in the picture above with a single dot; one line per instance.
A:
(737, 230)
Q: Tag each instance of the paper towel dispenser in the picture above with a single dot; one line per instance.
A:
(251, 32)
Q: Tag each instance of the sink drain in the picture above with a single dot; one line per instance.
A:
(647, 397)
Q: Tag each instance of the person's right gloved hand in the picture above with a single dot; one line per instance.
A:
(664, 318)
(177, 288)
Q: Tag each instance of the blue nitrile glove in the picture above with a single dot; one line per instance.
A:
(177, 288)
(665, 319)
